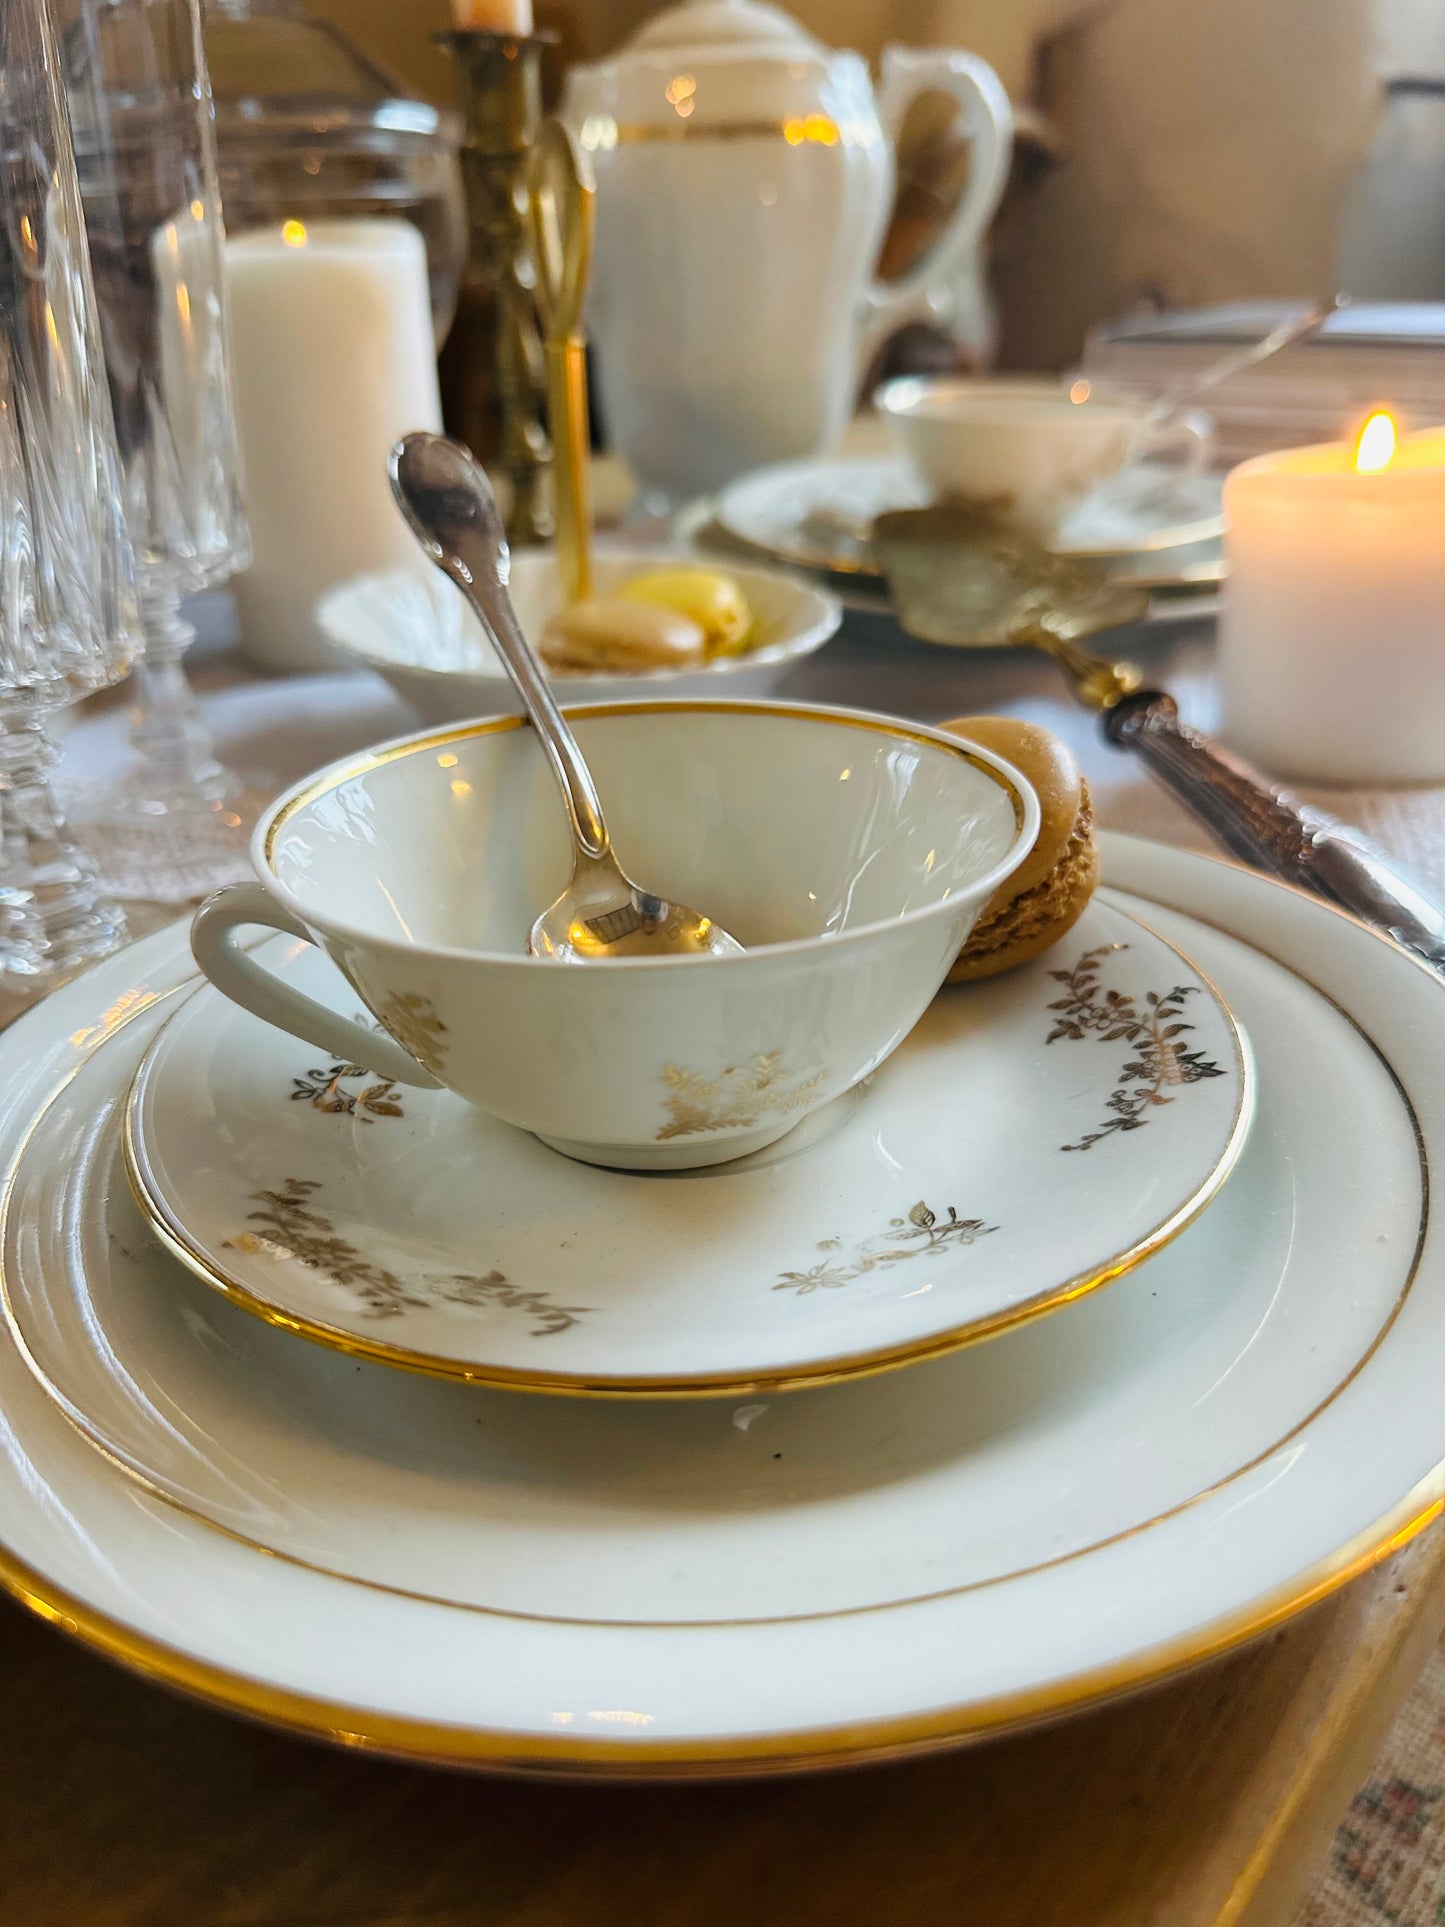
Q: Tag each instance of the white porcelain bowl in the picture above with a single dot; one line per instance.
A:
(850, 853)
(417, 632)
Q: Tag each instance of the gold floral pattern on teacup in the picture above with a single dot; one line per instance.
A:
(738, 1096)
(413, 1021)
(290, 1226)
(1153, 1030)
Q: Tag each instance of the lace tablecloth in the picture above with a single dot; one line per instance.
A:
(1388, 1859)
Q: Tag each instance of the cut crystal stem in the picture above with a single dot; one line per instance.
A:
(53, 917)
(174, 826)
(178, 764)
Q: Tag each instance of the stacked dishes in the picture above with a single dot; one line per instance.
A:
(1084, 470)
(731, 1539)
(1159, 529)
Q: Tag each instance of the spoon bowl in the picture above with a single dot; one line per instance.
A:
(602, 914)
(446, 498)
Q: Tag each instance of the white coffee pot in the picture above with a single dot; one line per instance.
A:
(745, 175)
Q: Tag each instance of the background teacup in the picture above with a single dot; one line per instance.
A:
(851, 853)
(1028, 450)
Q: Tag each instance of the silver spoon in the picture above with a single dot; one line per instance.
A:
(1284, 335)
(446, 497)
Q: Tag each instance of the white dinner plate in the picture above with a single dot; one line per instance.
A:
(1132, 1484)
(900, 1222)
(816, 513)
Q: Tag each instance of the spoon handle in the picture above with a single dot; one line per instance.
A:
(1283, 335)
(445, 495)
(1274, 831)
(494, 608)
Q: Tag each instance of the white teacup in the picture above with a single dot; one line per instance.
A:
(1029, 450)
(851, 854)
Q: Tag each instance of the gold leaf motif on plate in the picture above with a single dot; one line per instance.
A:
(1154, 1030)
(292, 1227)
(921, 1234)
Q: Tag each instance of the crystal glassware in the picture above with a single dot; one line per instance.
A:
(140, 104)
(309, 128)
(67, 612)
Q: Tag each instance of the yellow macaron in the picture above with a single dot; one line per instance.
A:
(709, 597)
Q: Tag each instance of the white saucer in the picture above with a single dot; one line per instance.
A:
(647, 1588)
(815, 513)
(1105, 1083)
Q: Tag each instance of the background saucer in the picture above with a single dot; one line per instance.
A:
(816, 513)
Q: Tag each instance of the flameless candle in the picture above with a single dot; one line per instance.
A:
(1332, 637)
(334, 360)
(494, 16)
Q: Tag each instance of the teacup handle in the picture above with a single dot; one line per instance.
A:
(988, 121)
(1188, 430)
(237, 975)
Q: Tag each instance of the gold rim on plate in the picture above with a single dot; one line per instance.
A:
(543, 1755)
(147, 1482)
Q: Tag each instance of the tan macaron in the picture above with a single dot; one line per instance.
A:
(1048, 893)
(612, 633)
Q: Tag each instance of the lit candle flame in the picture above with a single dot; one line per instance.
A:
(293, 233)
(1081, 391)
(1376, 447)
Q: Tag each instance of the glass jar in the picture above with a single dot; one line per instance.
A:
(309, 128)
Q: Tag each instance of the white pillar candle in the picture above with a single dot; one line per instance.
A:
(334, 359)
(1332, 635)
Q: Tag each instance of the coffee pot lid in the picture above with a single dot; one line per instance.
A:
(737, 26)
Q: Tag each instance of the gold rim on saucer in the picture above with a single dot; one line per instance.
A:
(205, 1263)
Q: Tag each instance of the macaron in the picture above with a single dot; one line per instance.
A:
(1050, 890)
(614, 633)
(708, 597)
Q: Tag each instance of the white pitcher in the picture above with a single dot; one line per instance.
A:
(745, 176)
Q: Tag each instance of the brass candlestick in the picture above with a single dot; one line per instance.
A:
(560, 200)
(499, 407)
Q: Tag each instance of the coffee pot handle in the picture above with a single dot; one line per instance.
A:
(987, 119)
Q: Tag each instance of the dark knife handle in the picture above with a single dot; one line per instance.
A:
(1273, 830)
